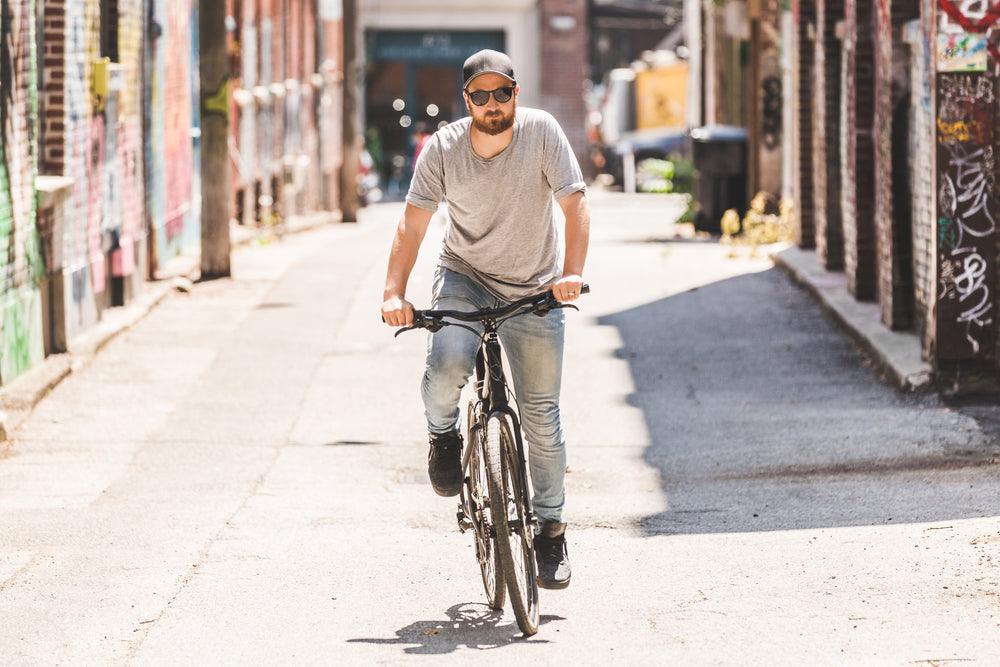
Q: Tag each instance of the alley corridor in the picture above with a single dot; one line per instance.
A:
(240, 478)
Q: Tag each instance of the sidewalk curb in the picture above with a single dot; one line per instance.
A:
(20, 397)
(895, 354)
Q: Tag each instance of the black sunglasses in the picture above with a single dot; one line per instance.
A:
(501, 95)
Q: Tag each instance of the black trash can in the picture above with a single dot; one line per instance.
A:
(719, 154)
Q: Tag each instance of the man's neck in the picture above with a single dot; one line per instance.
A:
(490, 145)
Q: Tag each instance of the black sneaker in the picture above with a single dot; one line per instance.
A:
(444, 463)
(552, 557)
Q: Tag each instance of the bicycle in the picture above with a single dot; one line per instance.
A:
(495, 501)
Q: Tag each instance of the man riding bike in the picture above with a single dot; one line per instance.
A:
(501, 170)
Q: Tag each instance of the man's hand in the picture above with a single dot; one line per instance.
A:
(397, 312)
(568, 288)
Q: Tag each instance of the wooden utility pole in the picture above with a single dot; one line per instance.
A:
(349, 201)
(216, 190)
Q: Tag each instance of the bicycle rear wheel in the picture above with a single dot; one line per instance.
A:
(512, 521)
(478, 497)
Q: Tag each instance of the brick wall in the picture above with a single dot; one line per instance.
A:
(129, 259)
(564, 37)
(883, 156)
(892, 212)
(921, 175)
(284, 162)
(805, 220)
(849, 131)
(858, 195)
(53, 96)
(96, 141)
(300, 175)
(826, 128)
(329, 123)
(66, 110)
(244, 71)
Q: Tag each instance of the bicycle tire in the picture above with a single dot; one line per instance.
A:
(513, 528)
(478, 497)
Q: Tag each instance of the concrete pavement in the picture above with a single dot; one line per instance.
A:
(896, 354)
(238, 478)
(18, 398)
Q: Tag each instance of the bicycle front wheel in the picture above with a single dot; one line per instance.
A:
(479, 504)
(511, 518)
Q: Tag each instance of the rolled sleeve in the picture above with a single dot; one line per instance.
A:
(567, 190)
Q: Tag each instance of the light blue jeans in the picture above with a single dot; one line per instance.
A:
(534, 349)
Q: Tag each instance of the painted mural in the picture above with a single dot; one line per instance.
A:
(175, 221)
(20, 258)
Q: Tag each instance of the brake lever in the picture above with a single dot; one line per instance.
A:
(432, 324)
(403, 330)
(549, 302)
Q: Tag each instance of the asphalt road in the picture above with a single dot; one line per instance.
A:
(240, 478)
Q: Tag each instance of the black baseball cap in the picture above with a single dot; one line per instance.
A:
(487, 61)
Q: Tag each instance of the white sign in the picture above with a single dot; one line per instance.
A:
(330, 10)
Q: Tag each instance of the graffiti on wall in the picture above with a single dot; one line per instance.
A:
(966, 215)
(99, 147)
(21, 257)
(92, 185)
(961, 52)
(177, 120)
(171, 172)
(130, 198)
(129, 140)
(971, 16)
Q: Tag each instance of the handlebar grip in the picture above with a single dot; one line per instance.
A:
(585, 289)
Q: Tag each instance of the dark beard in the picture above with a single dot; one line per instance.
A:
(494, 125)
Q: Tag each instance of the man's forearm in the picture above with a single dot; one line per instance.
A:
(405, 247)
(577, 234)
(402, 257)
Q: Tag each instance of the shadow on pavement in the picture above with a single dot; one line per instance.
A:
(762, 416)
(469, 625)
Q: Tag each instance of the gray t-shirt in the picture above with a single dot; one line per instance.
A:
(502, 227)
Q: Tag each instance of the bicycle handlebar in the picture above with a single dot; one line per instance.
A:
(539, 304)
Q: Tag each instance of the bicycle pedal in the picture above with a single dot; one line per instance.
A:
(463, 522)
